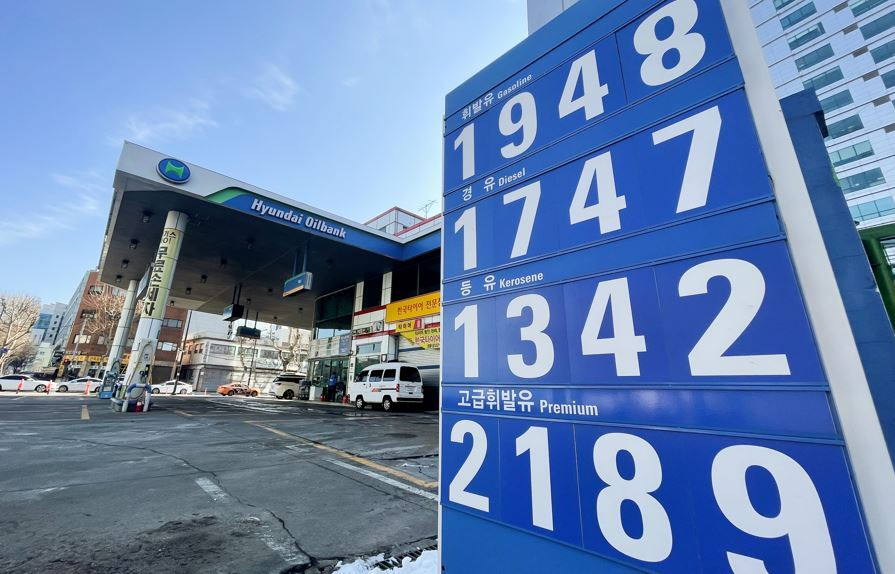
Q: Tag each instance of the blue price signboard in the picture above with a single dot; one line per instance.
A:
(631, 378)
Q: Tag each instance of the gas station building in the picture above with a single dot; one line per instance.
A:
(184, 236)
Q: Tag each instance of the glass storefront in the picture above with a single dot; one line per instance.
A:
(320, 370)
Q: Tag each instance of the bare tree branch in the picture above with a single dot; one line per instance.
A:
(293, 349)
(104, 308)
(18, 313)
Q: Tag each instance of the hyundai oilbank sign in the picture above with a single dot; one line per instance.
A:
(174, 170)
(632, 381)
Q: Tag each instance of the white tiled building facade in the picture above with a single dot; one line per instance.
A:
(845, 50)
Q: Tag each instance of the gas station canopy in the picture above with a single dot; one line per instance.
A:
(239, 234)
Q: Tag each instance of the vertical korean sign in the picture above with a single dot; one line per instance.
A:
(159, 284)
(630, 378)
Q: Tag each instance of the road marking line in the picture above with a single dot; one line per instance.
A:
(213, 490)
(85, 414)
(36, 422)
(393, 449)
(348, 456)
(182, 413)
(275, 431)
(19, 411)
(385, 479)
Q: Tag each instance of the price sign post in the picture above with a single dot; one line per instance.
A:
(646, 364)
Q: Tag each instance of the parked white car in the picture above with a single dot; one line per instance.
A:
(79, 385)
(387, 384)
(289, 386)
(29, 383)
(172, 387)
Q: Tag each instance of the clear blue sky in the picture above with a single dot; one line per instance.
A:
(334, 103)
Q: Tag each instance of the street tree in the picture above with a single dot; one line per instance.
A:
(293, 348)
(21, 356)
(18, 313)
(103, 312)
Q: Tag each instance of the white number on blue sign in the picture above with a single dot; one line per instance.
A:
(457, 489)
(518, 117)
(612, 302)
(596, 196)
(584, 69)
(534, 442)
(801, 519)
(624, 345)
(747, 289)
(689, 45)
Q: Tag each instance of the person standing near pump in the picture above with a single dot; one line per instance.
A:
(331, 387)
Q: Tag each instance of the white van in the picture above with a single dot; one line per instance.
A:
(387, 384)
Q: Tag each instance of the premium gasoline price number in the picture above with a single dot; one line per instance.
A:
(631, 486)
(666, 45)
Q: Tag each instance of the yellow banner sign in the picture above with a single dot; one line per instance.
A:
(425, 338)
(409, 325)
(420, 306)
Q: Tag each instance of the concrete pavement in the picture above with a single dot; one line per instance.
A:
(210, 485)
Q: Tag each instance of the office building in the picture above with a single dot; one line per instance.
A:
(845, 51)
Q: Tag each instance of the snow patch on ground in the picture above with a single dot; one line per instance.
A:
(427, 563)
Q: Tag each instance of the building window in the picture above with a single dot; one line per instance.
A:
(333, 314)
(100, 340)
(82, 339)
(798, 15)
(95, 290)
(863, 180)
(873, 209)
(369, 348)
(805, 36)
(824, 79)
(836, 101)
(778, 4)
(888, 78)
(883, 52)
(851, 153)
(814, 57)
(267, 354)
(173, 323)
(859, 7)
(88, 314)
(166, 346)
(372, 296)
(878, 26)
(844, 127)
(217, 349)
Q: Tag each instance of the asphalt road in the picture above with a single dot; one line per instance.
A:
(210, 484)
